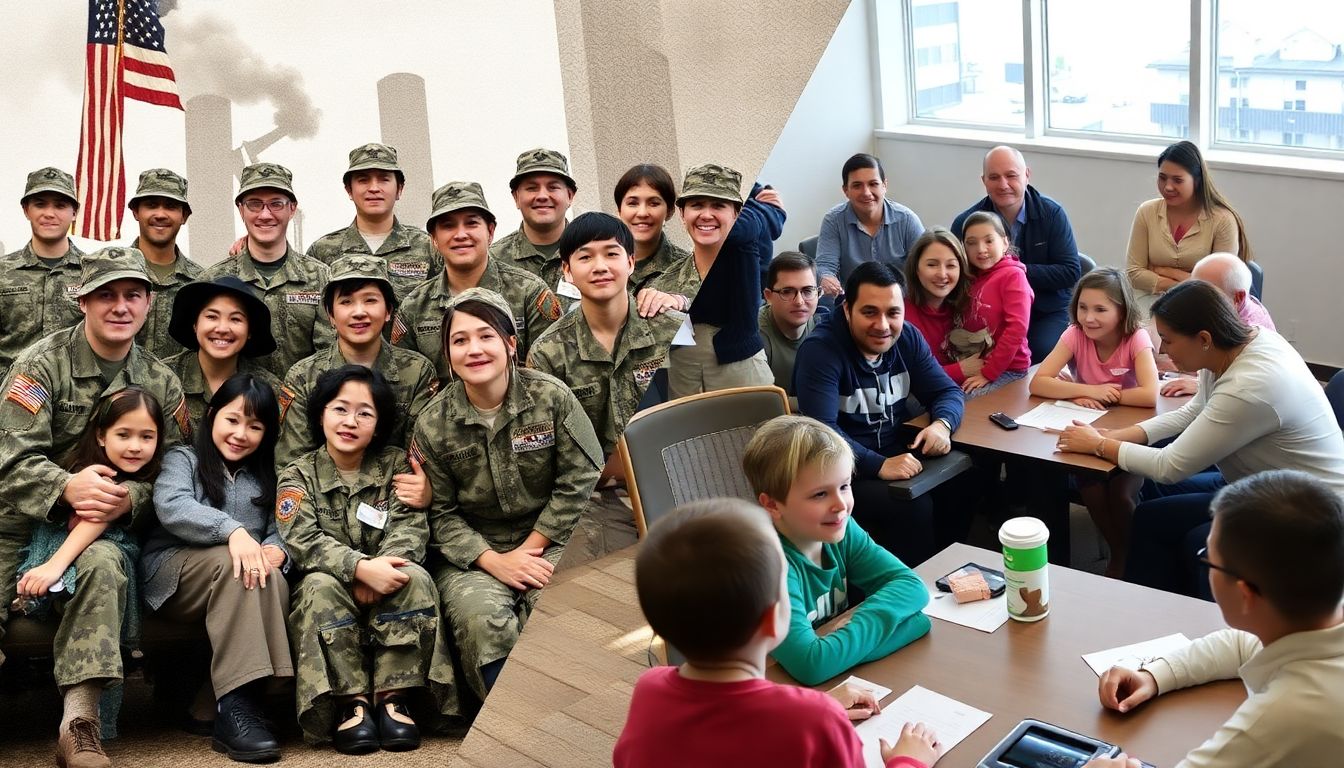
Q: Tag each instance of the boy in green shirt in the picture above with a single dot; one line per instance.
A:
(800, 470)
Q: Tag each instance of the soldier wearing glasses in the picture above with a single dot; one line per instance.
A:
(789, 313)
(289, 282)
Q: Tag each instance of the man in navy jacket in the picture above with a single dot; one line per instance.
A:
(854, 373)
(1040, 229)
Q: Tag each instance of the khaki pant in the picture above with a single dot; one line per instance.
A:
(247, 633)
(696, 369)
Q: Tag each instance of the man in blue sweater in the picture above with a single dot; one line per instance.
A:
(1040, 229)
(854, 374)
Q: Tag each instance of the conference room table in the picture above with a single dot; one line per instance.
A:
(562, 698)
(1048, 493)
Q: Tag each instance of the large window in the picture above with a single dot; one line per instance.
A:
(1271, 74)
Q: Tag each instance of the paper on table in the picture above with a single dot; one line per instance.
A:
(984, 615)
(879, 692)
(1058, 415)
(950, 719)
(1131, 656)
(685, 335)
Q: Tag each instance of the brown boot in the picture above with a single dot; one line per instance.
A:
(79, 746)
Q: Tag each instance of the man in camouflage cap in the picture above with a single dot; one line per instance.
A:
(608, 355)
(50, 394)
(160, 207)
(374, 182)
(38, 283)
(461, 226)
(359, 299)
(543, 190)
(289, 282)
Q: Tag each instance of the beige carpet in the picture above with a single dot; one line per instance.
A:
(28, 738)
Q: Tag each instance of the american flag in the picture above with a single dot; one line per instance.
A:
(125, 58)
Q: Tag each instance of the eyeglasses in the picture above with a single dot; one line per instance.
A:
(1203, 556)
(275, 206)
(343, 413)
(809, 292)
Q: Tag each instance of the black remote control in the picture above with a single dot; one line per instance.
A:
(1003, 420)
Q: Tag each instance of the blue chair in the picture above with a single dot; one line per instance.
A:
(1334, 392)
(1257, 279)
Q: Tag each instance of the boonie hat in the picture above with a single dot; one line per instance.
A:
(192, 297)
(265, 176)
(107, 265)
(541, 160)
(374, 157)
(50, 180)
(456, 195)
(359, 266)
(161, 182)
(709, 180)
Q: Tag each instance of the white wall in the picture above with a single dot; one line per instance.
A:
(1292, 221)
(833, 119)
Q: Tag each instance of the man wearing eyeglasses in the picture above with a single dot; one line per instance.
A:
(1275, 556)
(289, 282)
(789, 313)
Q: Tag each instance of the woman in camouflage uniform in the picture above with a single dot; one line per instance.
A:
(512, 459)
(364, 620)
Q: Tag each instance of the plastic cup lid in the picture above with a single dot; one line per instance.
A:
(1023, 533)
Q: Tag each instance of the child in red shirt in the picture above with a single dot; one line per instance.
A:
(711, 582)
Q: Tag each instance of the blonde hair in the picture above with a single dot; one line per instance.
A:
(784, 445)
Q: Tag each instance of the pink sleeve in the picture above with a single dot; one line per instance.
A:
(1069, 338)
(1015, 296)
(902, 761)
(1137, 342)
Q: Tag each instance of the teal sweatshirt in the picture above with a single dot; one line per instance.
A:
(888, 619)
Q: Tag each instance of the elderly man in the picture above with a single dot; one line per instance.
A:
(1231, 276)
(1040, 229)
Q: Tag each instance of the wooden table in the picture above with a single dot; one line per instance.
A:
(1036, 670)
(1048, 493)
(563, 695)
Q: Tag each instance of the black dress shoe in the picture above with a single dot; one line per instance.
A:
(358, 739)
(395, 735)
(241, 733)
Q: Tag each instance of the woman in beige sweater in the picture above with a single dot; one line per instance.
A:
(1188, 222)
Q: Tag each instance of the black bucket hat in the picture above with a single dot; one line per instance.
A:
(193, 296)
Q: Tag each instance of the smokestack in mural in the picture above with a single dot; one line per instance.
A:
(212, 164)
(404, 118)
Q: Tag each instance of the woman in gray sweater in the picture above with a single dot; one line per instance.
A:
(217, 557)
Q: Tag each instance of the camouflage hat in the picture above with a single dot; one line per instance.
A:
(372, 157)
(265, 176)
(110, 264)
(717, 181)
(50, 180)
(456, 195)
(161, 182)
(542, 161)
(484, 295)
(359, 266)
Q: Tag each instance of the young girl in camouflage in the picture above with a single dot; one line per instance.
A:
(124, 441)
(365, 618)
(512, 459)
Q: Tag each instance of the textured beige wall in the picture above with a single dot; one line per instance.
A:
(683, 82)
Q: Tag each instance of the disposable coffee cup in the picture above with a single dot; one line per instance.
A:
(1026, 568)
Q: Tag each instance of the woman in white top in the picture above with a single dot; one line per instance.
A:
(1258, 408)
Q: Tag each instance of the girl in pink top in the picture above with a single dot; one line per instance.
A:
(937, 290)
(994, 325)
(1111, 362)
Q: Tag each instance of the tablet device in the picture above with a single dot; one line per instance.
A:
(992, 577)
(1037, 744)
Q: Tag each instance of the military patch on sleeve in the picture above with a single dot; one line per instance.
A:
(312, 298)
(28, 393)
(408, 269)
(644, 373)
(548, 306)
(286, 396)
(534, 437)
(399, 329)
(183, 418)
(413, 452)
(433, 386)
(287, 503)
(72, 292)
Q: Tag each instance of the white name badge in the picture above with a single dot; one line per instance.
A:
(567, 289)
(371, 516)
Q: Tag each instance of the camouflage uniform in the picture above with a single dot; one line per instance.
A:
(337, 641)
(533, 306)
(410, 254)
(50, 394)
(186, 365)
(534, 470)
(161, 182)
(514, 247)
(38, 300)
(671, 269)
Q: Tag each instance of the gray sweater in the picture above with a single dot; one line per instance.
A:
(187, 519)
